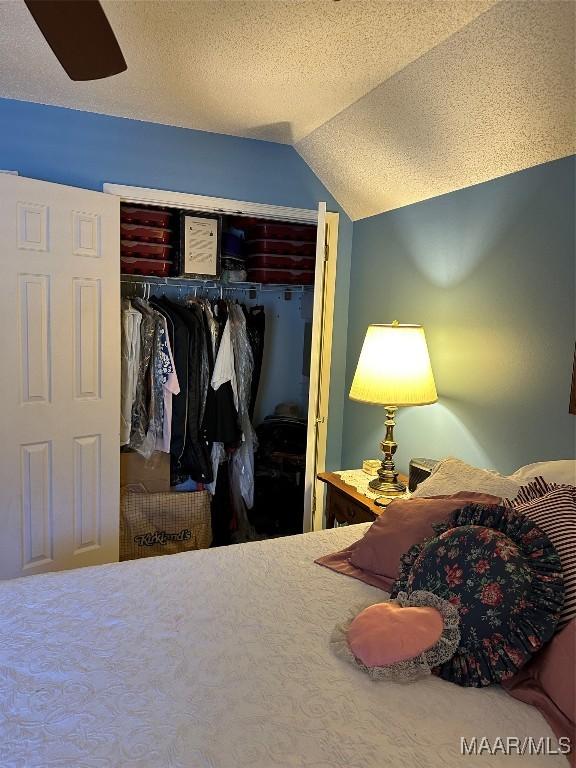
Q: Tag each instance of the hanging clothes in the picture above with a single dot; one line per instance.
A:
(221, 418)
(195, 461)
(242, 461)
(187, 388)
(171, 388)
(224, 369)
(207, 365)
(180, 344)
(212, 328)
(170, 378)
(130, 346)
(146, 394)
(218, 452)
(255, 326)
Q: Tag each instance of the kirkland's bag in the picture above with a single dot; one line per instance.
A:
(163, 523)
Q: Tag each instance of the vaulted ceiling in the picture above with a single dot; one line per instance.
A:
(496, 97)
(390, 102)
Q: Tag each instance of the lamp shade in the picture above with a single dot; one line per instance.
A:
(394, 367)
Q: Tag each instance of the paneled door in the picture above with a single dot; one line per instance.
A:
(59, 377)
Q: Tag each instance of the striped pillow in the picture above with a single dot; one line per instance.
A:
(553, 508)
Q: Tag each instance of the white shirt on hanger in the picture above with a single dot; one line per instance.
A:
(224, 368)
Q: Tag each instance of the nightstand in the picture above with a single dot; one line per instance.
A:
(345, 505)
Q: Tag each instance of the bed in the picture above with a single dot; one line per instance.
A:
(221, 659)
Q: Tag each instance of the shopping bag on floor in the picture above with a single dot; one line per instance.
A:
(163, 523)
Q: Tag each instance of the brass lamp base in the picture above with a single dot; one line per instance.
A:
(386, 488)
(387, 482)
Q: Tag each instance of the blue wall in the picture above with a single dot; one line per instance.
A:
(84, 149)
(489, 272)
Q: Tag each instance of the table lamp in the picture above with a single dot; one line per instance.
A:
(393, 370)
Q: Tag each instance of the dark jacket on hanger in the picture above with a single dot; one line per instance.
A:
(196, 459)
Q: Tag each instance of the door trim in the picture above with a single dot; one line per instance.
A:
(210, 204)
(320, 370)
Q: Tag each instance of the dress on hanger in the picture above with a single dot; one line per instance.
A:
(255, 327)
(130, 347)
(178, 432)
(242, 461)
(146, 393)
(171, 388)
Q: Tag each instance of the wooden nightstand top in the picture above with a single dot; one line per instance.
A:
(336, 482)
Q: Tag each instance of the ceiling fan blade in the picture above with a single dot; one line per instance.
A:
(80, 36)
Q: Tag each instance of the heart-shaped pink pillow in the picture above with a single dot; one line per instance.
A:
(386, 633)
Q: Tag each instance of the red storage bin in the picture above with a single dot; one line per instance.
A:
(282, 276)
(145, 250)
(256, 229)
(154, 217)
(275, 230)
(282, 247)
(155, 267)
(274, 261)
(144, 233)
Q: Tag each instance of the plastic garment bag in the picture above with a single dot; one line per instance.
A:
(130, 367)
(243, 458)
(206, 356)
(148, 408)
(218, 455)
(234, 363)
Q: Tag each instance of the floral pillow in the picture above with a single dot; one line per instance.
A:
(503, 575)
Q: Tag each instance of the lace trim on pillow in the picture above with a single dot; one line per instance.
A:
(420, 666)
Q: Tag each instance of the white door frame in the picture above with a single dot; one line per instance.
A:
(145, 195)
(321, 355)
(321, 352)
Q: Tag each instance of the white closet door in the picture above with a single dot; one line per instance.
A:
(59, 377)
(320, 359)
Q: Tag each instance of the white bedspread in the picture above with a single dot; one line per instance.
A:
(220, 659)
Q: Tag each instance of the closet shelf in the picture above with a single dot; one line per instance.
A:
(192, 282)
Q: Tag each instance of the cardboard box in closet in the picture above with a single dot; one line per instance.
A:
(152, 474)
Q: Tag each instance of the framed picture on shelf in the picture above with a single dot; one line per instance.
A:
(200, 246)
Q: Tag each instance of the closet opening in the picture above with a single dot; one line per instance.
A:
(217, 318)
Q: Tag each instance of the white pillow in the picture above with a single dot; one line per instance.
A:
(452, 475)
(562, 472)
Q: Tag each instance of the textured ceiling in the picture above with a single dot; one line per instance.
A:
(496, 97)
(390, 102)
(270, 69)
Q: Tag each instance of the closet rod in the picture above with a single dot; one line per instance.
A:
(212, 285)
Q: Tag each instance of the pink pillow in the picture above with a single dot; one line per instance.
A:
(402, 524)
(548, 683)
(386, 633)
